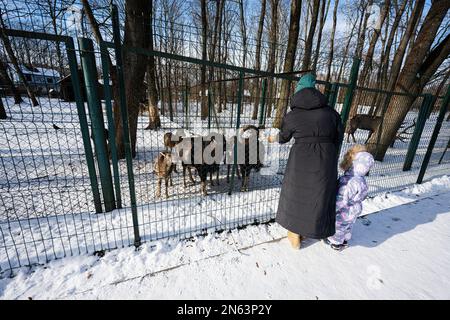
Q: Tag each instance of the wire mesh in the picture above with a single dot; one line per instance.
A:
(47, 205)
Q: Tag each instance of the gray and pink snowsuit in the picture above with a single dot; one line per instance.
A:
(352, 190)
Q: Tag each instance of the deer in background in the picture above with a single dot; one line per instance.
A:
(371, 124)
(363, 122)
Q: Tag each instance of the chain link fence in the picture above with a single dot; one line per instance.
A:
(59, 199)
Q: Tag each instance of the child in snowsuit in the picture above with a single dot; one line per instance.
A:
(352, 190)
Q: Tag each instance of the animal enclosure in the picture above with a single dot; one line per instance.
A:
(65, 189)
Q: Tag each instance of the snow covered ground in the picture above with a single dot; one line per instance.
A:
(399, 250)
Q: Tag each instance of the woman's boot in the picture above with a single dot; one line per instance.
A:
(294, 239)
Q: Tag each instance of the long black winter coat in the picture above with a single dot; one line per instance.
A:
(308, 194)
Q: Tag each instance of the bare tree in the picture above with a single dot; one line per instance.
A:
(368, 61)
(365, 8)
(323, 16)
(273, 36)
(289, 60)
(387, 50)
(256, 82)
(216, 41)
(137, 21)
(244, 39)
(333, 34)
(6, 79)
(419, 66)
(400, 53)
(95, 27)
(346, 49)
(204, 18)
(2, 110)
(306, 64)
(54, 9)
(152, 91)
(15, 63)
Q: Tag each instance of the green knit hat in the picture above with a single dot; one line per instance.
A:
(308, 80)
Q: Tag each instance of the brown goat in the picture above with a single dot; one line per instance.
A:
(189, 152)
(163, 167)
(244, 146)
(169, 142)
(363, 122)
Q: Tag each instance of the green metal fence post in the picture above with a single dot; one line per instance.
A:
(437, 128)
(186, 105)
(350, 90)
(263, 101)
(124, 116)
(333, 95)
(98, 127)
(326, 91)
(421, 119)
(111, 126)
(209, 106)
(71, 56)
(238, 124)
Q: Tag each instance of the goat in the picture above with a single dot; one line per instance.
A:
(218, 146)
(169, 141)
(245, 164)
(363, 122)
(163, 168)
(192, 150)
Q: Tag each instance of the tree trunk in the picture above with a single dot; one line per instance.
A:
(333, 33)
(346, 48)
(256, 82)
(418, 68)
(243, 33)
(212, 52)
(151, 74)
(358, 53)
(400, 53)
(15, 63)
(387, 50)
(52, 5)
(244, 43)
(368, 61)
(273, 35)
(137, 21)
(306, 64)
(204, 101)
(289, 61)
(114, 81)
(2, 110)
(362, 29)
(219, 96)
(439, 89)
(4, 77)
(323, 17)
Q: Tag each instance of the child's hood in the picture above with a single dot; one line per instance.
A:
(362, 163)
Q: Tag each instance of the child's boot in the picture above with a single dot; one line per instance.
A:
(294, 239)
(337, 247)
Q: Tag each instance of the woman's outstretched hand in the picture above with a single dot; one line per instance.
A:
(272, 138)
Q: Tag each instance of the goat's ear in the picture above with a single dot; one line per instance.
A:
(162, 153)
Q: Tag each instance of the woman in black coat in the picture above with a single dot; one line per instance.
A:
(308, 193)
